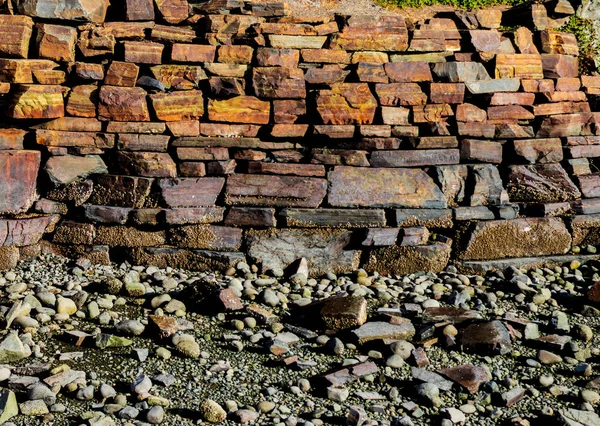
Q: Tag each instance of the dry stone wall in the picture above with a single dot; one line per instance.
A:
(198, 135)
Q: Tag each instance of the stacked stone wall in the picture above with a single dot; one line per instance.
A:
(197, 135)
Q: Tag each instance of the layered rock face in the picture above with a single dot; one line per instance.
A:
(199, 135)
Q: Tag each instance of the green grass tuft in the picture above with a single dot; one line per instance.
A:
(462, 4)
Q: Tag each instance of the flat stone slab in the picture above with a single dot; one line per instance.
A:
(325, 250)
(482, 266)
(490, 338)
(379, 330)
(468, 376)
(382, 187)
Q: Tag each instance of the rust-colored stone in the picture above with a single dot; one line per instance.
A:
(176, 106)
(240, 109)
(347, 103)
(447, 93)
(143, 52)
(18, 174)
(82, 101)
(122, 74)
(382, 187)
(193, 53)
(408, 72)
(21, 70)
(278, 82)
(139, 10)
(173, 11)
(527, 66)
(56, 42)
(400, 94)
(146, 164)
(15, 34)
(373, 32)
(279, 191)
(269, 57)
(122, 104)
(179, 77)
(37, 101)
(235, 54)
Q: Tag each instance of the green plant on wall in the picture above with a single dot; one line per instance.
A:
(463, 4)
(588, 38)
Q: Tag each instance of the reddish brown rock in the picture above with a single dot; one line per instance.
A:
(179, 77)
(481, 151)
(173, 11)
(12, 138)
(542, 183)
(563, 125)
(193, 53)
(122, 74)
(400, 94)
(278, 82)
(139, 10)
(18, 174)
(64, 169)
(202, 154)
(528, 66)
(235, 54)
(224, 87)
(378, 187)
(253, 217)
(15, 34)
(509, 112)
(286, 169)
(469, 376)
(347, 103)
(37, 101)
(25, 232)
(172, 34)
(556, 66)
(146, 164)
(589, 185)
(371, 73)
(56, 42)
(184, 128)
(373, 32)
(176, 106)
(447, 93)
(21, 70)
(122, 104)
(327, 74)
(82, 101)
(141, 142)
(89, 71)
(143, 52)
(288, 111)
(559, 42)
(408, 72)
(54, 138)
(276, 191)
(269, 57)
(539, 150)
(241, 109)
(191, 192)
(524, 41)
(326, 56)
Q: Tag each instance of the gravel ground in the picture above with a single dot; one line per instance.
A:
(111, 345)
